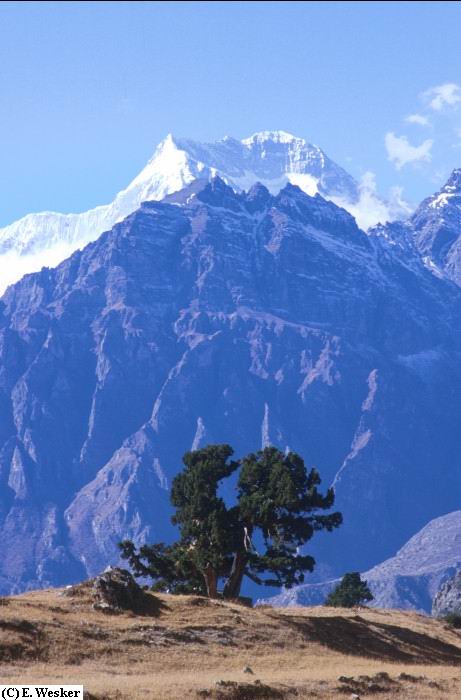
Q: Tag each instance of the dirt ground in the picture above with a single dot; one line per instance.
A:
(186, 647)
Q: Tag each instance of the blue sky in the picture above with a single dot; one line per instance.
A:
(88, 89)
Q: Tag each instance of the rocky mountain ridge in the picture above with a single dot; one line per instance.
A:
(217, 316)
(272, 157)
(436, 229)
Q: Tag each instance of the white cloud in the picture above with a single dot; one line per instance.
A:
(370, 210)
(399, 208)
(444, 95)
(417, 119)
(400, 151)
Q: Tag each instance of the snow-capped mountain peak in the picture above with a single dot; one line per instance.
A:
(168, 171)
(273, 158)
(436, 228)
(273, 136)
(449, 193)
(454, 181)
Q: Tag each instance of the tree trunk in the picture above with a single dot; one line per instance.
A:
(211, 581)
(234, 582)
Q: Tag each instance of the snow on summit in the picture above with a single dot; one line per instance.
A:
(270, 157)
(275, 136)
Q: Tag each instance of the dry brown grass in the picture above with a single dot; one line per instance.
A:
(186, 647)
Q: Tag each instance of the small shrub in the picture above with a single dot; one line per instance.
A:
(349, 592)
(453, 620)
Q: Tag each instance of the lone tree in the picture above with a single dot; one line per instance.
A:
(349, 592)
(275, 514)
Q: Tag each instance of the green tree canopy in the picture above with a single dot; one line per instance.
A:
(276, 513)
(349, 592)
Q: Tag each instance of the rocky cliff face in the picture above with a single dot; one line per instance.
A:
(448, 598)
(211, 317)
(436, 228)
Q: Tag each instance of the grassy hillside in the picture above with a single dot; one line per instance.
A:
(188, 647)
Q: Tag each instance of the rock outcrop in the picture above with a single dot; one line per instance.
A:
(448, 598)
(115, 589)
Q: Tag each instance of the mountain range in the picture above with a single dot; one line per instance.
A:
(220, 314)
(270, 157)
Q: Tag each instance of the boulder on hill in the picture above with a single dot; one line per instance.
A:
(115, 590)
